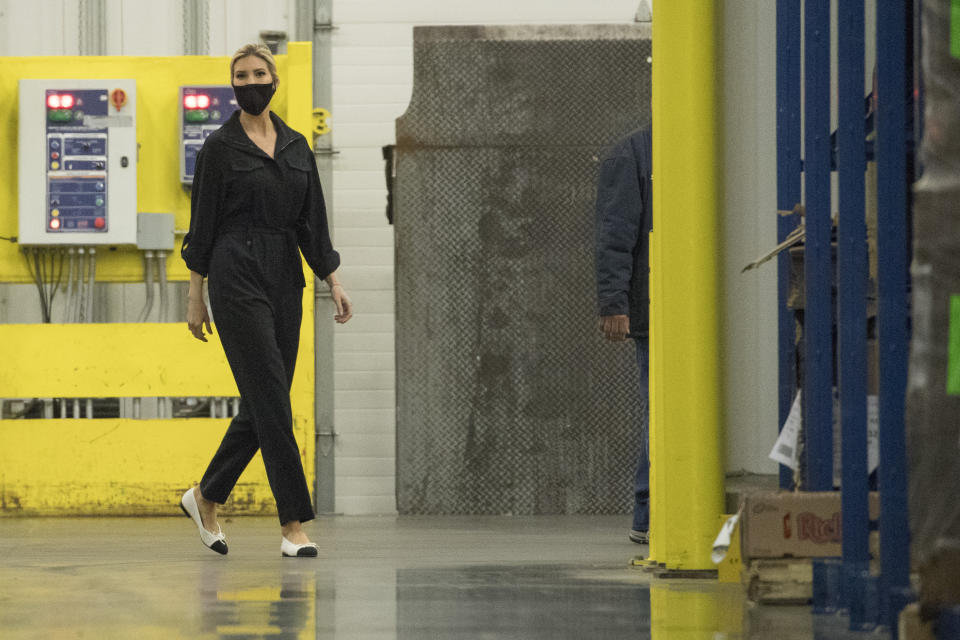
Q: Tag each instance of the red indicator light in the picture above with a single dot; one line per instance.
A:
(190, 102)
(55, 223)
(99, 222)
(66, 101)
(203, 101)
(53, 101)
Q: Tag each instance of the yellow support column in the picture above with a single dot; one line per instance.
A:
(686, 430)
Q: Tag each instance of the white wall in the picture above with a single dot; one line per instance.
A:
(749, 226)
(135, 27)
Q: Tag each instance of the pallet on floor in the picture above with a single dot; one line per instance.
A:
(779, 580)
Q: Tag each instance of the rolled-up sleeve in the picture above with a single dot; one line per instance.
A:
(206, 203)
(313, 234)
(619, 216)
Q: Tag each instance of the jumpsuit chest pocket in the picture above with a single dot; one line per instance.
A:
(297, 162)
(245, 165)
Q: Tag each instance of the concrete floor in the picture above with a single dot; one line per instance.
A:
(376, 578)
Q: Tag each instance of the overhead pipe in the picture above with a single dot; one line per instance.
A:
(92, 276)
(68, 302)
(161, 258)
(318, 27)
(81, 285)
(148, 283)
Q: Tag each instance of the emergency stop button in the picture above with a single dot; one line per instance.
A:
(99, 223)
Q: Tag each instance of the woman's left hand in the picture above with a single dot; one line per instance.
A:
(342, 301)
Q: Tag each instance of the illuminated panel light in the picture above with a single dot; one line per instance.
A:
(203, 101)
(56, 101)
(190, 102)
(55, 223)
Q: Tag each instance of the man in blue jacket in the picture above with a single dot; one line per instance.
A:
(624, 221)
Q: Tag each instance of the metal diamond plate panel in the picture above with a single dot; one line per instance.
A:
(508, 399)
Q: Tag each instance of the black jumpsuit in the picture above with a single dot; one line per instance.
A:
(249, 215)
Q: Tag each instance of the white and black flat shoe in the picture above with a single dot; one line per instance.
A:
(215, 541)
(290, 550)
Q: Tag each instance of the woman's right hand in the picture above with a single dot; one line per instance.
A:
(197, 317)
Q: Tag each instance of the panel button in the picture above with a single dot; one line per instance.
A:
(99, 223)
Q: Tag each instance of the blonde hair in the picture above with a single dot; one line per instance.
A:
(260, 51)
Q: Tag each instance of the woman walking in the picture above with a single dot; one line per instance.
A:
(256, 204)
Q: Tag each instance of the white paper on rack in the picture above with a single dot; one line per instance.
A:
(785, 449)
(722, 544)
(873, 433)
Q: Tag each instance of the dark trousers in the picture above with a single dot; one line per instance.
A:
(641, 508)
(259, 327)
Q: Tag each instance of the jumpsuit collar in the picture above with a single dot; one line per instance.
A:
(236, 137)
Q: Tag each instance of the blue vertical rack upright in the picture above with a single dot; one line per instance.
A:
(892, 306)
(852, 279)
(817, 259)
(894, 23)
(788, 196)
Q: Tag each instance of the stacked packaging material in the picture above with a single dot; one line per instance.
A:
(933, 397)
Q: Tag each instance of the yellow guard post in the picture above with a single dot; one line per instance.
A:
(687, 465)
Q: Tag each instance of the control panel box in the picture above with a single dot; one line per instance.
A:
(203, 110)
(77, 162)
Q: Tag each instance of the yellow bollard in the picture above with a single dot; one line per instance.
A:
(686, 429)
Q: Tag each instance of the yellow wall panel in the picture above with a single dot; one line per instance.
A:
(115, 467)
(126, 466)
(110, 360)
(158, 166)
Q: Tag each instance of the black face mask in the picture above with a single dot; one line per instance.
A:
(254, 98)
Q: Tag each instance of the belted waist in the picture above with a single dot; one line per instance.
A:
(289, 232)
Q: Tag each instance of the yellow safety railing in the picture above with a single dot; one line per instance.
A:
(130, 466)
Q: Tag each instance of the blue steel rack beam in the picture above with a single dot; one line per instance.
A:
(818, 280)
(852, 278)
(788, 195)
(892, 306)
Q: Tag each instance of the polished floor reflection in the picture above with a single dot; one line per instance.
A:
(465, 578)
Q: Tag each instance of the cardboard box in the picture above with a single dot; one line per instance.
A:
(912, 626)
(794, 524)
